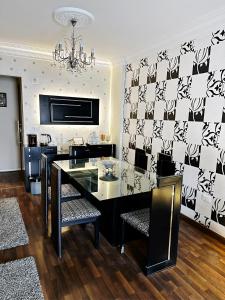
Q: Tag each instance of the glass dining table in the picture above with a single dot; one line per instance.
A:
(113, 186)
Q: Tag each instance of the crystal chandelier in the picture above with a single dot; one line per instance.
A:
(70, 53)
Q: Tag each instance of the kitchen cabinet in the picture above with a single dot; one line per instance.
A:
(100, 150)
(32, 156)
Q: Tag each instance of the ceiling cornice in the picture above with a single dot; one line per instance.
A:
(29, 52)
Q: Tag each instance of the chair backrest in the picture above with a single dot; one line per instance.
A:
(55, 202)
(44, 176)
(164, 219)
(140, 159)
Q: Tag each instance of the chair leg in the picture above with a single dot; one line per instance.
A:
(83, 226)
(97, 233)
(59, 243)
(122, 239)
(46, 216)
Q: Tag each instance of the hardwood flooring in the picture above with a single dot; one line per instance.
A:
(86, 273)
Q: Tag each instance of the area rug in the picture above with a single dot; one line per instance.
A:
(12, 229)
(19, 280)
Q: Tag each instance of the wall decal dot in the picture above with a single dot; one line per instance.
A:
(42, 72)
(90, 77)
(98, 71)
(34, 62)
(11, 69)
(14, 60)
(52, 81)
(68, 82)
(84, 84)
(1, 58)
(24, 70)
(60, 74)
(43, 89)
(104, 94)
(25, 86)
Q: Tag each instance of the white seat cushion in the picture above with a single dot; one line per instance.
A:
(78, 209)
(138, 219)
(68, 190)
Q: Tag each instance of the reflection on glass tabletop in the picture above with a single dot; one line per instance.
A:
(89, 171)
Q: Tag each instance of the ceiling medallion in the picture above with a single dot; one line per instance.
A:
(69, 53)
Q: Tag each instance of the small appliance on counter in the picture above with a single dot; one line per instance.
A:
(32, 140)
(45, 139)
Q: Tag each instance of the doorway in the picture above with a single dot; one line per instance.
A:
(11, 138)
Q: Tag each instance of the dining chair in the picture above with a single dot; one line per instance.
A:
(68, 191)
(158, 223)
(78, 211)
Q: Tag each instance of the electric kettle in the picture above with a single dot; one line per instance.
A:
(45, 139)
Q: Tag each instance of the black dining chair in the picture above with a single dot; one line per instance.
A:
(78, 211)
(158, 223)
(68, 191)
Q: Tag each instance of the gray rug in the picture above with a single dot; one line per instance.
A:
(19, 280)
(12, 229)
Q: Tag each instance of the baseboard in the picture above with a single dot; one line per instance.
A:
(203, 229)
(11, 170)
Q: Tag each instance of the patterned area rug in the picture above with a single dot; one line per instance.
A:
(19, 280)
(12, 229)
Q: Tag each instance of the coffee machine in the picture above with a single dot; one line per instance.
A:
(32, 140)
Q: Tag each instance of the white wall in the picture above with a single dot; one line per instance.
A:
(9, 149)
(40, 77)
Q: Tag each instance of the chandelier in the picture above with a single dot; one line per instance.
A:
(69, 53)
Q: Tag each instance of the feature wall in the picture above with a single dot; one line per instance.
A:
(41, 77)
(174, 103)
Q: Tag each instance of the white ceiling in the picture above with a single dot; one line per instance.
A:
(121, 28)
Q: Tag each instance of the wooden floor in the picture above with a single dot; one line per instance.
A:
(87, 273)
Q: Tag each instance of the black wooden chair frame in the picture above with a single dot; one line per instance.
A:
(45, 180)
(56, 219)
(162, 242)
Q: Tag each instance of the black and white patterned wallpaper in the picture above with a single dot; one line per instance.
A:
(176, 104)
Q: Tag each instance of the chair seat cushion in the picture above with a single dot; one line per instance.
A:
(138, 219)
(68, 190)
(78, 209)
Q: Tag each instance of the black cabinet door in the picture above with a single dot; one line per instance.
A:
(49, 150)
(100, 150)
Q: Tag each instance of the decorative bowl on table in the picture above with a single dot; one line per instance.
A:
(109, 171)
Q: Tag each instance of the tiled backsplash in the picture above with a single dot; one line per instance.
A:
(175, 104)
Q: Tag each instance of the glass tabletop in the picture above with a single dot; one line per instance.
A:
(108, 178)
